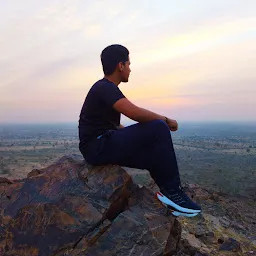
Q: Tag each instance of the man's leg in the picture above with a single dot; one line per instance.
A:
(144, 146)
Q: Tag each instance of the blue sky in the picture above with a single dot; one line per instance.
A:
(191, 60)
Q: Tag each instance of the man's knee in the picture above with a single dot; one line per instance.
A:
(159, 125)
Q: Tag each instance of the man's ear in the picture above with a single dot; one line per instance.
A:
(120, 66)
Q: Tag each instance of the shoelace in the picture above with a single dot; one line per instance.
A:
(183, 195)
(179, 197)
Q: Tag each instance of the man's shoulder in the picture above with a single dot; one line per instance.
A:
(103, 86)
(98, 84)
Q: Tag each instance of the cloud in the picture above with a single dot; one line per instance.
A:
(198, 40)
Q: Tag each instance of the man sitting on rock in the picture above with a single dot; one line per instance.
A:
(144, 145)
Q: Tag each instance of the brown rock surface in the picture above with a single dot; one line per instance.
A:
(224, 219)
(72, 208)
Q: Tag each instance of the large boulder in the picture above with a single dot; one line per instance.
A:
(73, 208)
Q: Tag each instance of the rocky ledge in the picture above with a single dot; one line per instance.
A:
(73, 208)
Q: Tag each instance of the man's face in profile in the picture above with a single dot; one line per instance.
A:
(125, 73)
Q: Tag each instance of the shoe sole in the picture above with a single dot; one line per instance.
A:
(167, 201)
(178, 214)
(189, 215)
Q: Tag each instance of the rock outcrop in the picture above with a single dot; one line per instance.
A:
(72, 208)
(225, 227)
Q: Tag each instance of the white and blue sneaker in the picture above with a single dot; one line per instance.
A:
(178, 201)
(177, 213)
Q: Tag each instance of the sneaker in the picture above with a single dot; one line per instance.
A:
(178, 214)
(178, 201)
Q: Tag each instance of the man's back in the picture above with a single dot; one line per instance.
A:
(97, 114)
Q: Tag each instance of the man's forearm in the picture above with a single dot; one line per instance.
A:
(145, 115)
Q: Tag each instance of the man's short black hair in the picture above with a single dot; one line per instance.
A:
(111, 56)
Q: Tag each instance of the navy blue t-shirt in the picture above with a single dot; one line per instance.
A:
(97, 114)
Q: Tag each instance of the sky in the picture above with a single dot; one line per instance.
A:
(190, 60)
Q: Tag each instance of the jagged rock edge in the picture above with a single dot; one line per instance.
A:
(105, 215)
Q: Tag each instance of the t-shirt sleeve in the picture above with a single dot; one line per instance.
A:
(110, 93)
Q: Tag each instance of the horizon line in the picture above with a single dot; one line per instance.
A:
(131, 122)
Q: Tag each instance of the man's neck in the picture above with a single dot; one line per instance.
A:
(113, 79)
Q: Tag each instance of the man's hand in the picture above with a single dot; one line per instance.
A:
(173, 125)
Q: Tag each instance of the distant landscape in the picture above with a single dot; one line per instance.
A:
(218, 156)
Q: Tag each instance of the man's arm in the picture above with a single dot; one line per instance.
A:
(138, 114)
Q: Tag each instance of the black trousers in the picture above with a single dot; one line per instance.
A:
(145, 145)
